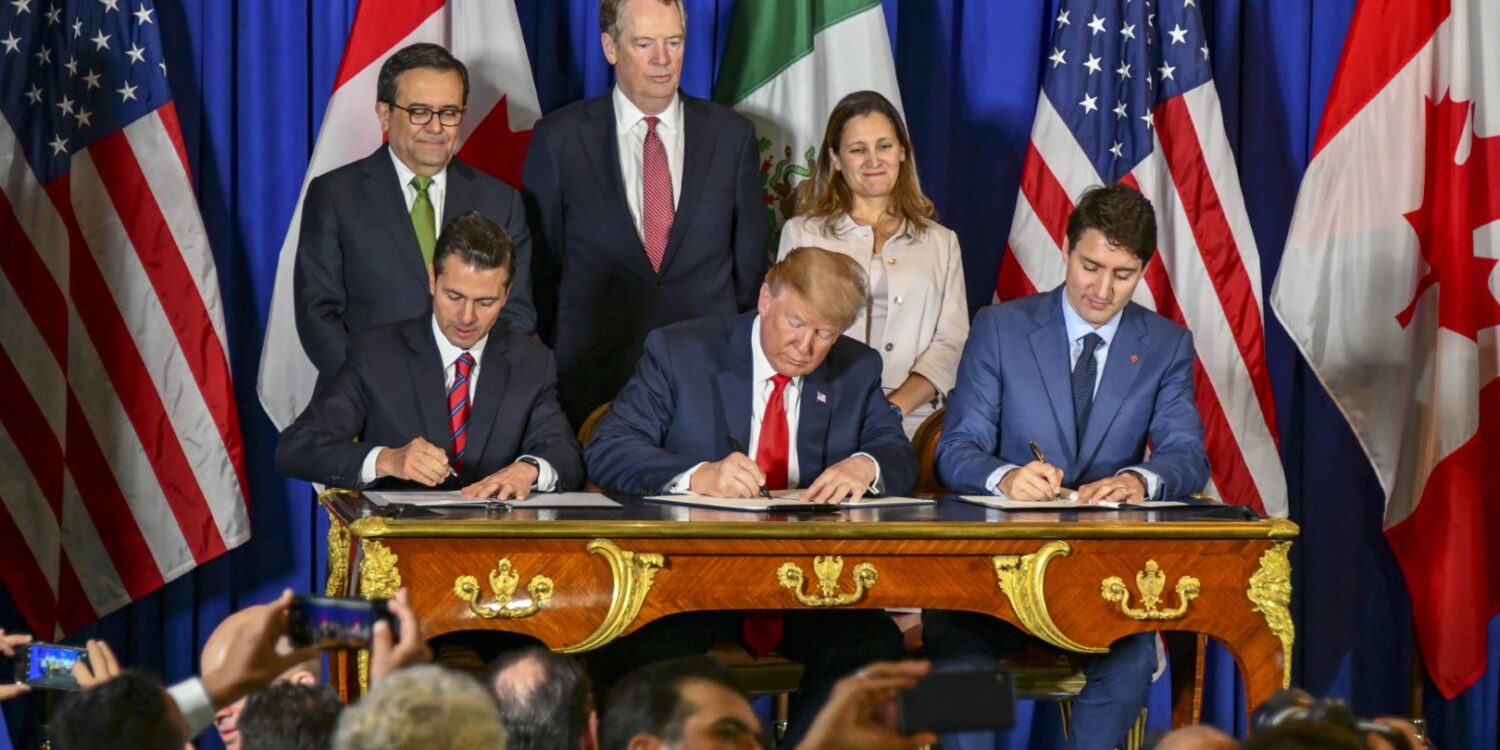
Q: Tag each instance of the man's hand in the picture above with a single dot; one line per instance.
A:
(736, 475)
(8, 643)
(1125, 488)
(850, 478)
(251, 661)
(513, 482)
(386, 653)
(418, 461)
(860, 712)
(1037, 480)
(99, 669)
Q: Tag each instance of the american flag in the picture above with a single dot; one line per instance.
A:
(121, 465)
(1128, 96)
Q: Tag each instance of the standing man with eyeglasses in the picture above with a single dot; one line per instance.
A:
(369, 228)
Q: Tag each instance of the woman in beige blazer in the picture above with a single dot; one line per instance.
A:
(863, 200)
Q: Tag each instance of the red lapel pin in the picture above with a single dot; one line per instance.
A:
(1134, 358)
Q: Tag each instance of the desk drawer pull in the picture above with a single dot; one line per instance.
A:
(503, 582)
(828, 569)
(1150, 582)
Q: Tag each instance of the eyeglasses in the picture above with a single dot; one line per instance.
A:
(448, 116)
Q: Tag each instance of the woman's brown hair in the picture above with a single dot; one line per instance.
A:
(825, 194)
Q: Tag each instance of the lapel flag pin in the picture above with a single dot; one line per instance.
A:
(1134, 358)
(822, 397)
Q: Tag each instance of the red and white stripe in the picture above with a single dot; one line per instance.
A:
(121, 465)
(1205, 274)
(486, 36)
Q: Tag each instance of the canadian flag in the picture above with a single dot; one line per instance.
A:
(1389, 287)
(486, 36)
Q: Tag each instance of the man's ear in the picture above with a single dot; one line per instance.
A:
(383, 111)
(764, 304)
(611, 53)
(590, 739)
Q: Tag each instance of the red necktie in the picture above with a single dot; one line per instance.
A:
(657, 211)
(458, 407)
(763, 630)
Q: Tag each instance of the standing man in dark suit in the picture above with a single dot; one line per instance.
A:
(445, 399)
(369, 228)
(646, 205)
(1064, 389)
(808, 402)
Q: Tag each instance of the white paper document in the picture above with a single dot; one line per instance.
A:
(1005, 503)
(455, 499)
(778, 499)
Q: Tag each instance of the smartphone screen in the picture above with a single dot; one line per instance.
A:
(334, 623)
(45, 665)
(958, 701)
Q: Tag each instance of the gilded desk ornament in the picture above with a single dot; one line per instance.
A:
(503, 583)
(1022, 578)
(1150, 582)
(338, 557)
(378, 579)
(1271, 591)
(828, 569)
(634, 574)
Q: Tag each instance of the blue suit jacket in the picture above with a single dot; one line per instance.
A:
(597, 296)
(1014, 385)
(692, 388)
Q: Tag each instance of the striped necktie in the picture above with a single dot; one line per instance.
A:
(657, 211)
(458, 408)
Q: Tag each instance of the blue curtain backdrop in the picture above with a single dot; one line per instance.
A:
(252, 78)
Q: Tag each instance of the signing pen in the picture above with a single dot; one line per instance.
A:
(738, 447)
(1064, 493)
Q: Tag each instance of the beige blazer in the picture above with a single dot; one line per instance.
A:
(927, 315)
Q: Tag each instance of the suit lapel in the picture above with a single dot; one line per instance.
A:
(459, 194)
(735, 388)
(697, 155)
(494, 371)
(1116, 384)
(815, 409)
(429, 392)
(602, 144)
(383, 190)
(1049, 345)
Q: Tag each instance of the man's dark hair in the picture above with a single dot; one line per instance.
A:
(129, 711)
(649, 700)
(1121, 214)
(544, 699)
(290, 717)
(1304, 735)
(419, 55)
(474, 240)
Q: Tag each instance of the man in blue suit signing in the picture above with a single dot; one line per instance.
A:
(808, 404)
(1088, 377)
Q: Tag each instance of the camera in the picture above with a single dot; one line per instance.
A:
(1294, 705)
(336, 623)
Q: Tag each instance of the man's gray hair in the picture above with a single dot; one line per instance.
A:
(612, 11)
(420, 708)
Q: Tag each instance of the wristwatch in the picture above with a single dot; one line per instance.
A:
(529, 460)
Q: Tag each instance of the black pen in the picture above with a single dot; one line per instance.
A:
(738, 447)
(1065, 493)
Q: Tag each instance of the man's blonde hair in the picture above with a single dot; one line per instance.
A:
(422, 708)
(832, 283)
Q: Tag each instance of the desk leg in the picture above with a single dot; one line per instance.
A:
(1186, 654)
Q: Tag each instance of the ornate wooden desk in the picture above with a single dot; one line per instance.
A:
(578, 579)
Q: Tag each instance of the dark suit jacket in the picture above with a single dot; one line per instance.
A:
(1014, 385)
(391, 390)
(693, 388)
(358, 262)
(597, 296)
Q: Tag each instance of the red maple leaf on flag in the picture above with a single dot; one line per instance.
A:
(1456, 200)
(495, 149)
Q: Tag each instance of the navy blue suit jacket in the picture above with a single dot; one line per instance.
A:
(1014, 385)
(597, 296)
(358, 262)
(391, 390)
(693, 388)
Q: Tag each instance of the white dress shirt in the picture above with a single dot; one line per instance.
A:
(435, 191)
(546, 477)
(1078, 328)
(630, 129)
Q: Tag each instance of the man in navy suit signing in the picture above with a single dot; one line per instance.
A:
(369, 227)
(807, 403)
(646, 205)
(1088, 377)
(445, 399)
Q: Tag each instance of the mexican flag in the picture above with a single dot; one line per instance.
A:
(786, 66)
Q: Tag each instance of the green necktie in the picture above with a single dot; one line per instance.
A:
(423, 219)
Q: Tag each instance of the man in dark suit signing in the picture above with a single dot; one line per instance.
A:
(369, 228)
(808, 404)
(444, 399)
(646, 207)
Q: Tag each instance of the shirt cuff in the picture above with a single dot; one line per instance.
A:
(367, 469)
(1153, 481)
(877, 487)
(546, 476)
(683, 481)
(992, 484)
(194, 704)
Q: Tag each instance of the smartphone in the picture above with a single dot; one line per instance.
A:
(335, 623)
(48, 665)
(958, 701)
